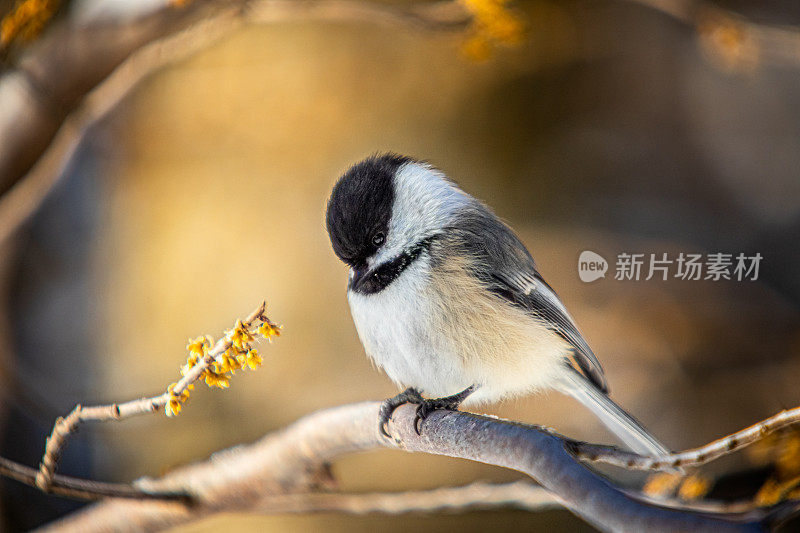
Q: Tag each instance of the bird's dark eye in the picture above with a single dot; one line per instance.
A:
(378, 238)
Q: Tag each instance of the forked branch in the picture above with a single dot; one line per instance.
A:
(289, 467)
(64, 427)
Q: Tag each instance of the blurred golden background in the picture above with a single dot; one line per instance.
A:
(608, 129)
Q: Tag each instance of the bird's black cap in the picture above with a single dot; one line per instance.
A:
(360, 206)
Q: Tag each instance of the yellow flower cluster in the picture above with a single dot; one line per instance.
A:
(26, 20)
(239, 355)
(493, 24)
(661, 484)
(665, 484)
(173, 407)
(782, 450)
(694, 487)
(774, 491)
(788, 457)
(269, 330)
(729, 41)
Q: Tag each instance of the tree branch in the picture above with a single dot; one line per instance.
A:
(694, 457)
(75, 73)
(82, 489)
(733, 42)
(519, 494)
(177, 393)
(294, 461)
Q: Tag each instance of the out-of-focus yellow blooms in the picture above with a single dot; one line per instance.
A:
(493, 23)
(729, 42)
(26, 20)
(661, 484)
(694, 487)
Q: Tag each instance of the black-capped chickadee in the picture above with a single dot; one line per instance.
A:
(448, 301)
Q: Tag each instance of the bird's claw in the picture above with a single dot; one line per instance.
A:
(410, 395)
(426, 407)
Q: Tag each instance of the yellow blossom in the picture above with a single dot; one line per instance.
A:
(227, 362)
(661, 484)
(253, 359)
(774, 491)
(788, 455)
(477, 48)
(217, 372)
(492, 24)
(173, 407)
(729, 42)
(505, 28)
(762, 451)
(269, 330)
(694, 487)
(239, 335)
(184, 395)
(233, 360)
(26, 20)
(215, 379)
(199, 346)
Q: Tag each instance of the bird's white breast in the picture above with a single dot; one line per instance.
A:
(439, 331)
(397, 327)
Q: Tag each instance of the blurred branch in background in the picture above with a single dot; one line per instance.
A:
(60, 84)
(732, 42)
(518, 494)
(78, 70)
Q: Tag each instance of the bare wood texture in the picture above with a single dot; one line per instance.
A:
(295, 461)
(694, 457)
(64, 427)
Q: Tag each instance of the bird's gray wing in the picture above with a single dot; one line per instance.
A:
(502, 262)
(542, 301)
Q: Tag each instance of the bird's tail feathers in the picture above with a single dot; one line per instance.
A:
(616, 419)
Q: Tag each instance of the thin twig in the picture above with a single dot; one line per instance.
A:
(518, 494)
(64, 427)
(479, 496)
(83, 489)
(693, 457)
